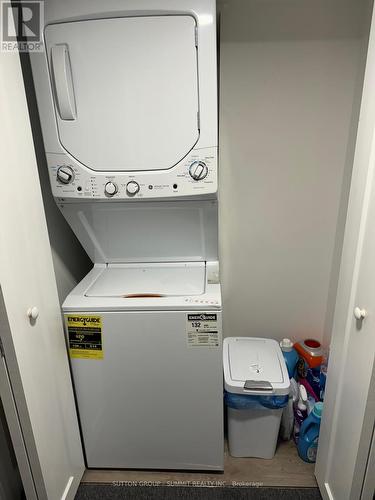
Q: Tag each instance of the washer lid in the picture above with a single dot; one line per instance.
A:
(254, 366)
(127, 232)
(149, 280)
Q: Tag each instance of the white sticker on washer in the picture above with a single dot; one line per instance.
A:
(202, 329)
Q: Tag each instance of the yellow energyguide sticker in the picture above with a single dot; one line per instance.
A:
(84, 336)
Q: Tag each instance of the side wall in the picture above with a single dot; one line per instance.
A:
(288, 77)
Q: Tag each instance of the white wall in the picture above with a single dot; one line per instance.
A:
(288, 75)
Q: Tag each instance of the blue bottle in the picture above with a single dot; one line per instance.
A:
(309, 434)
(290, 355)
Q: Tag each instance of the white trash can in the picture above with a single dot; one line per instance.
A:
(256, 391)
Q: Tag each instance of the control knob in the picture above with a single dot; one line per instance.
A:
(132, 188)
(198, 170)
(65, 174)
(110, 188)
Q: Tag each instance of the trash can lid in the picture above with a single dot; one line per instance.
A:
(254, 366)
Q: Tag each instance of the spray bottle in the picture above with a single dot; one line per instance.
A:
(300, 412)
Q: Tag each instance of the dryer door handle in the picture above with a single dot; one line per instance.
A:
(63, 82)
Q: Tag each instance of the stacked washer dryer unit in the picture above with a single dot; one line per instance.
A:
(127, 95)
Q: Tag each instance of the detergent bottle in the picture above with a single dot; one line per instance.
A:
(290, 356)
(309, 434)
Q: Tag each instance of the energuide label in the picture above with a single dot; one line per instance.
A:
(85, 336)
(202, 330)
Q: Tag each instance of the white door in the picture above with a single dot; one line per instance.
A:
(35, 351)
(126, 90)
(348, 420)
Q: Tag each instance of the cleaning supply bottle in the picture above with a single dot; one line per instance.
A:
(311, 351)
(308, 366)
(309, 434)
(290, 356)
(300, 412)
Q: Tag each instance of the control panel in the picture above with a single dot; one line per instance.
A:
(195, 175)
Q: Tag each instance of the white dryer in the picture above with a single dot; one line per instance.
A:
(127, 96)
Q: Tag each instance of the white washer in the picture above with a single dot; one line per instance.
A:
(149, 394)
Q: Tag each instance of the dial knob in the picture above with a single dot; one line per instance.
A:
(198, 170)
(110, 188)
(65, 174)
(132, 188)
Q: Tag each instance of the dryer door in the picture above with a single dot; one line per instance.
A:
(126, 90)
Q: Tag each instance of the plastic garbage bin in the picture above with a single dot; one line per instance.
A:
(256, 391)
